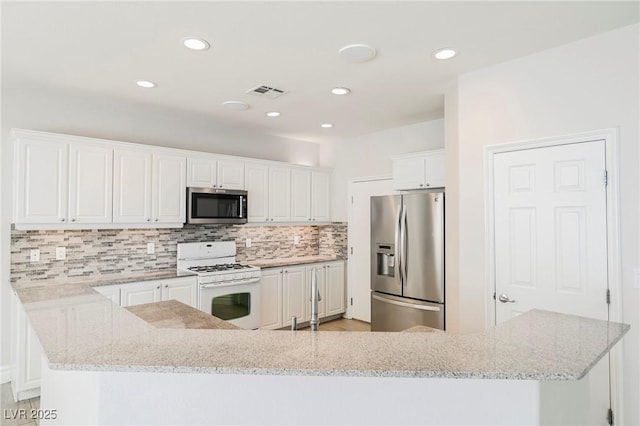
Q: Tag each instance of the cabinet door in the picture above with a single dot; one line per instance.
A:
(183, 290)
(230, 174)
(41, 175)
(27, 356)
(201, 172)
(295, 298)
(90, 183)
(300, 195)
(434, 170)
(169, 188)
(271, 299)
(131, 186)
(408, 173)
(279, 194)
(139, 293)
(335, 299)
(319, 271)
(257, 185)
(111, 292)
(320, 196)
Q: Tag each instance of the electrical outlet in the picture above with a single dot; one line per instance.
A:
(61, 253)
(34, 255)
(247, 242)
(296, 239)
(151, 248)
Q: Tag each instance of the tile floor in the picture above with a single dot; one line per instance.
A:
(16, 414)
(10, 408)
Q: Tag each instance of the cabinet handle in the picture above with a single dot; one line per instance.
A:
(421, 185)
(166, 286)
(73, 220)
(148, 220)
(62, 220)
(314, 219)
(286, 272)
(156, 219)
(428, 184)
(215, 186)
(158, 287)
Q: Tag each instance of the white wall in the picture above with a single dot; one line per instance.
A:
(370, 155)
(48, 111)
(586, 85)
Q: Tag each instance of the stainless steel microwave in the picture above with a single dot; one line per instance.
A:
(212, 205)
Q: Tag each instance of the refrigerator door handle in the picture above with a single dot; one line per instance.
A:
(403, 245)
(406, 305)
(398, 232)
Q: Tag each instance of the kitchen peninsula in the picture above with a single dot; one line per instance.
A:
(104, 365)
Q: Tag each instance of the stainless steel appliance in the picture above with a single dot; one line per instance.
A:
(407, 261)
(214, 205)
(228, 290)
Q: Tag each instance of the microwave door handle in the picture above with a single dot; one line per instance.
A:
(242, 201)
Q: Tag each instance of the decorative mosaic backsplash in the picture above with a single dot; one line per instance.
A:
(123, 251)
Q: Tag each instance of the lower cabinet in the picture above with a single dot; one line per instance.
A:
(286, 292)
(184, 289)
(26, 356)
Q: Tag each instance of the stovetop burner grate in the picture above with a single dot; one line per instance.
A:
(217, 268)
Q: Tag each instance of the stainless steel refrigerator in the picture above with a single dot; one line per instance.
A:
(407, 261)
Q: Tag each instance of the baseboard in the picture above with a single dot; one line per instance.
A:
(5, 373)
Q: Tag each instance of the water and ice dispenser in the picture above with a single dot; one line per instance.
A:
(385, 260)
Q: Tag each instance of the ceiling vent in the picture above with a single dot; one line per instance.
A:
(267, 92)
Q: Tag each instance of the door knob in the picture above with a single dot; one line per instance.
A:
(505, 299)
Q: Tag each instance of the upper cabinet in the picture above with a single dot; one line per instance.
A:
(74, 182)
(60, 182)
(215, 172)
(310, 195)
(149, 187)
(419, 171)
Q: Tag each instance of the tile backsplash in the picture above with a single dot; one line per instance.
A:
(122, 251)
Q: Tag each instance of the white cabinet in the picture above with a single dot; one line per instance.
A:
(132, 186)
(294, 294)
(60, 182)
(168, 189)
(279, 194)
(271, 298)
(111, 292)
(300, 195)
(90, 183)
(184, 290)
(26, 355)
(213, 172)
(310, 196)
(286, 292)
(269, 191)
(419, 171)
(319, 270)
(256, 179)
(148, 187)
(335, 295)
(320, 196)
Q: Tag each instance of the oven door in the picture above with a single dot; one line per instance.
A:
(238, 304)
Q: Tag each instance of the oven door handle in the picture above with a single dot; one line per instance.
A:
(230, 283)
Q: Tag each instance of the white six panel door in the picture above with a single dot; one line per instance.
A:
(551, 240)
(550, 230)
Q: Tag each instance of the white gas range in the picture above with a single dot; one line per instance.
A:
(228, 290)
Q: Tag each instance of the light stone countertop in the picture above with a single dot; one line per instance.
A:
(80, 329)
(175, 314)
(289, 261)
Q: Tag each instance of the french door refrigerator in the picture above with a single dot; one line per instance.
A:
(407, 261)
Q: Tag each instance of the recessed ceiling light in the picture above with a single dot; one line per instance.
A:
(146, 84)
(340, 91)
(195, 43)
(446, 53)
(326, 125)
(273, 114)
(357, 53)
(236, 105)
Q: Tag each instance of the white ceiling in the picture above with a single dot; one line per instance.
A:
(102, 48)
